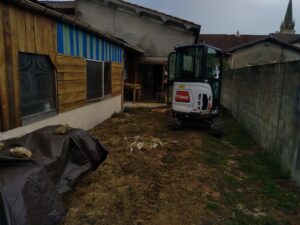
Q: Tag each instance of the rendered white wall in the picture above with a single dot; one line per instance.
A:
(85, 118)
(157, 39)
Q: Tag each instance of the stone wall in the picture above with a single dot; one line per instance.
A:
(266, 101)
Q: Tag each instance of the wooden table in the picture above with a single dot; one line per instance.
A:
(135, 88)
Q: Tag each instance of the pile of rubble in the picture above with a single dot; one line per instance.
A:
(143, 143)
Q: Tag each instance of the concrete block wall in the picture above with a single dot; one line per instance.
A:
(266, 101)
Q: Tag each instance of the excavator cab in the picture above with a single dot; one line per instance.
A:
(194, 81)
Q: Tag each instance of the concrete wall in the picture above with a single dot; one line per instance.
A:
(157, 39)
(85, 118)
(262, 53)
(266, 101)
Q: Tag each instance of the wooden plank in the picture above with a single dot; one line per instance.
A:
(71, 106)
(70, 64)
(72, 86)
(116, 93)
(21, 30)
(65, 87)
(117, 69)
(46, 37)
(53, 46)
(4, 110)
(73, 76)
(29, 22)
(116, 81)
(16, 77)
(116, 88)
(116, 74)
(116, 78)
(9, 36)
(72, 97)
(39, 34)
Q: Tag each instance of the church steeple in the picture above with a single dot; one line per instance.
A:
(288, 25)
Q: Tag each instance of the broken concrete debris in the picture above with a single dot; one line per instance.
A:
(62, 129)
(1, 146)
(143, 143)
(21, 153)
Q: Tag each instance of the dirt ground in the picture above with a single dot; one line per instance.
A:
(189, 178)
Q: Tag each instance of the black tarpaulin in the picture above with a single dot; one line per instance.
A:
(30, 190)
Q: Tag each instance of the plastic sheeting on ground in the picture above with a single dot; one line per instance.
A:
(31, 190)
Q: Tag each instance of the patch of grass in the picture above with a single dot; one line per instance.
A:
(235, 134)
(214, 152)
(225, 181)
(231, 180)
(265, 169)
(263, 165)
(241, 218)
(232, 198)
(267, 220)
(213, 206)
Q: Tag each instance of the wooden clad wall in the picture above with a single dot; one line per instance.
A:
(116, 78)
(4, 111)
(20, 31)
(72, 84)
(24, 31)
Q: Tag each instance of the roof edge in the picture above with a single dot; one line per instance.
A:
(270, 38)
(162, 13)
(71, 20)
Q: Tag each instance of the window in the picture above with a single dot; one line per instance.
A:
(186, 64)
(213, 64)
(95, 84)
(37, 86)
(98, 79)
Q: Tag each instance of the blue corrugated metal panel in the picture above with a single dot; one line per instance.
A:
(72, 41)
(60, 41)
(75, 42)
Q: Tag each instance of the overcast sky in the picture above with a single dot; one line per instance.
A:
(228, 16)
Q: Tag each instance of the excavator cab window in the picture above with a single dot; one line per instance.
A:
(213, 64)
(186, 64)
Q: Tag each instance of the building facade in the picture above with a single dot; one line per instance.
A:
(54, 70)
(154, 32)
(262, 51)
